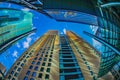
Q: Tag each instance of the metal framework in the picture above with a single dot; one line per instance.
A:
(109, 32)
(108, 58)
(103, 42)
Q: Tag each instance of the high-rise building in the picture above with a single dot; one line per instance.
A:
(13, 26)
(108, 32)
(116, 71)
(102, 13)
(57, 56)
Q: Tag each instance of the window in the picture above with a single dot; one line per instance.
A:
(33, 62)
(25, 60)
(28, 73)
(15, 67)
(36, 68)
(70, 65)
(48, 70)
(25, 78)
(34, 74)
(22, 65)
(27, 57)
(51, 56)
(67, 56)
(30, 53)
(35, 58)
(12, 72)
(88, 67)
(49, 64)
(43, 52)
(13, 78)
(40, 59)
(32, 79)
(70, 70)
(46, 55)
(18, 63)
(16, 74)
(45, 59)
(19, 69)
(51, 52)
(9, 76)
(50, 60)
(68, 60)
(74, 76)
(37, 54)
(38, 63)
(23, 56)
(31, 67)
(43, 64)
(46, 52)
(42, 69)
(40, 75)
(46, 76)
(91, 72)
(41, 55)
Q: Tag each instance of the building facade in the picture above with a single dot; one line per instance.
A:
(57, 56)
(116, 71)
(109, 32)
(2, 71)
(13, 26)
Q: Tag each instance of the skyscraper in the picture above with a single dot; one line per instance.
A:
(13, 26)
(57, 56)
(108, 32)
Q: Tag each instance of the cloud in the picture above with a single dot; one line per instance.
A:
(15, 54)
(25, 9)
(64, 31)
(26, 43)
(18, 45)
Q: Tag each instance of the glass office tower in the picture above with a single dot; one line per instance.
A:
(57, 56)
(13, 24)
(108, 31)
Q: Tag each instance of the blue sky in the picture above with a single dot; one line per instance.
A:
(43, 24)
